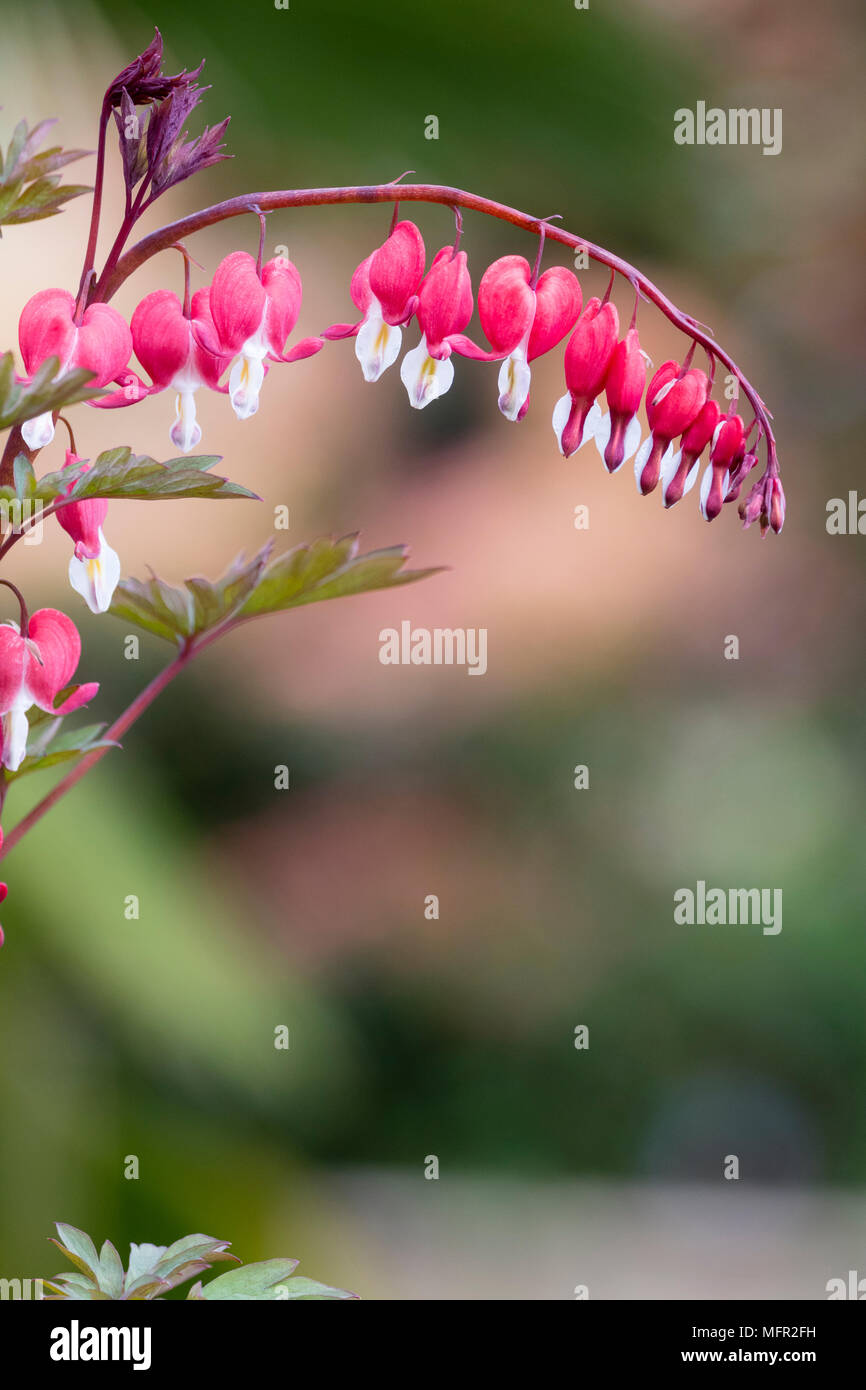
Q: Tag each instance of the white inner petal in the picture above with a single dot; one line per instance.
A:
(185, 433)
(39, 432)
(515, 378)
(425, 377)
(245, 383)
(96, 579)
(377, 345)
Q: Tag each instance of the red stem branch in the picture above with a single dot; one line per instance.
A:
(114, 274)
(117, 730)
(96, 206)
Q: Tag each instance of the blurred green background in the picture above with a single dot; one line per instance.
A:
(454, 1037)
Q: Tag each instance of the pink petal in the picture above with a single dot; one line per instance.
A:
(626, 376)
(104, 343)
(445, 298)
(282, 284)
(307, 347)
(13, 658)
(590, 349)
(557, 304)
(237, 300)
(46, 329)
(396, 270)
(59, 645)
(506, 304)
(161, 336)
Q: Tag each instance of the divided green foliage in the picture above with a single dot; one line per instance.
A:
(311, 573)
(30, 187)
(24, 402)
(119, 473)
(154, 1270)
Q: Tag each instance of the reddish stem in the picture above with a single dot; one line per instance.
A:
(90, 253)
(118, 270)
(118, 728)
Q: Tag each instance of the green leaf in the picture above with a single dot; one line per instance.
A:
(154, 1269)
(145, 604)
(268, 1280)
(25, 478)
(328, 569)
(30, 188)
(265, 584)
(51, 747)
(75, 1281)
(116, 473)
(110, 1271)
(121, 473)
(19, 403)
(257, 1281)
(312, 1289)
(78, 1247)
(79, 1293)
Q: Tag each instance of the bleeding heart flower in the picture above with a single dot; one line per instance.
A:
(587, 360)
(617, 435)
(673, 402)
(385, 290)
(34, 668)
(521, 321)
(179, 352)
(254, 313)
(94, 569)
(726, 454)
(444, 309)
(47, 328)
(679, 470)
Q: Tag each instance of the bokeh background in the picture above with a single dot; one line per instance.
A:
(454, 1037)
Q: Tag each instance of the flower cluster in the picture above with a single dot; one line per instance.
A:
(228, 335)
(241, 323)
(523, 315)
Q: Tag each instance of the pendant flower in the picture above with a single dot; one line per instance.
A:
(101, 343)
(587, 359)
(521, 322)
(385, 290)
(680, 470)
(726, 454)
(94, 569)
(617, 434)
(34, 668)
(444, 309)
(178, 352)
(673, 402)
(254, 313)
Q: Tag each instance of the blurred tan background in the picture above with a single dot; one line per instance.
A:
(455, 1037)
